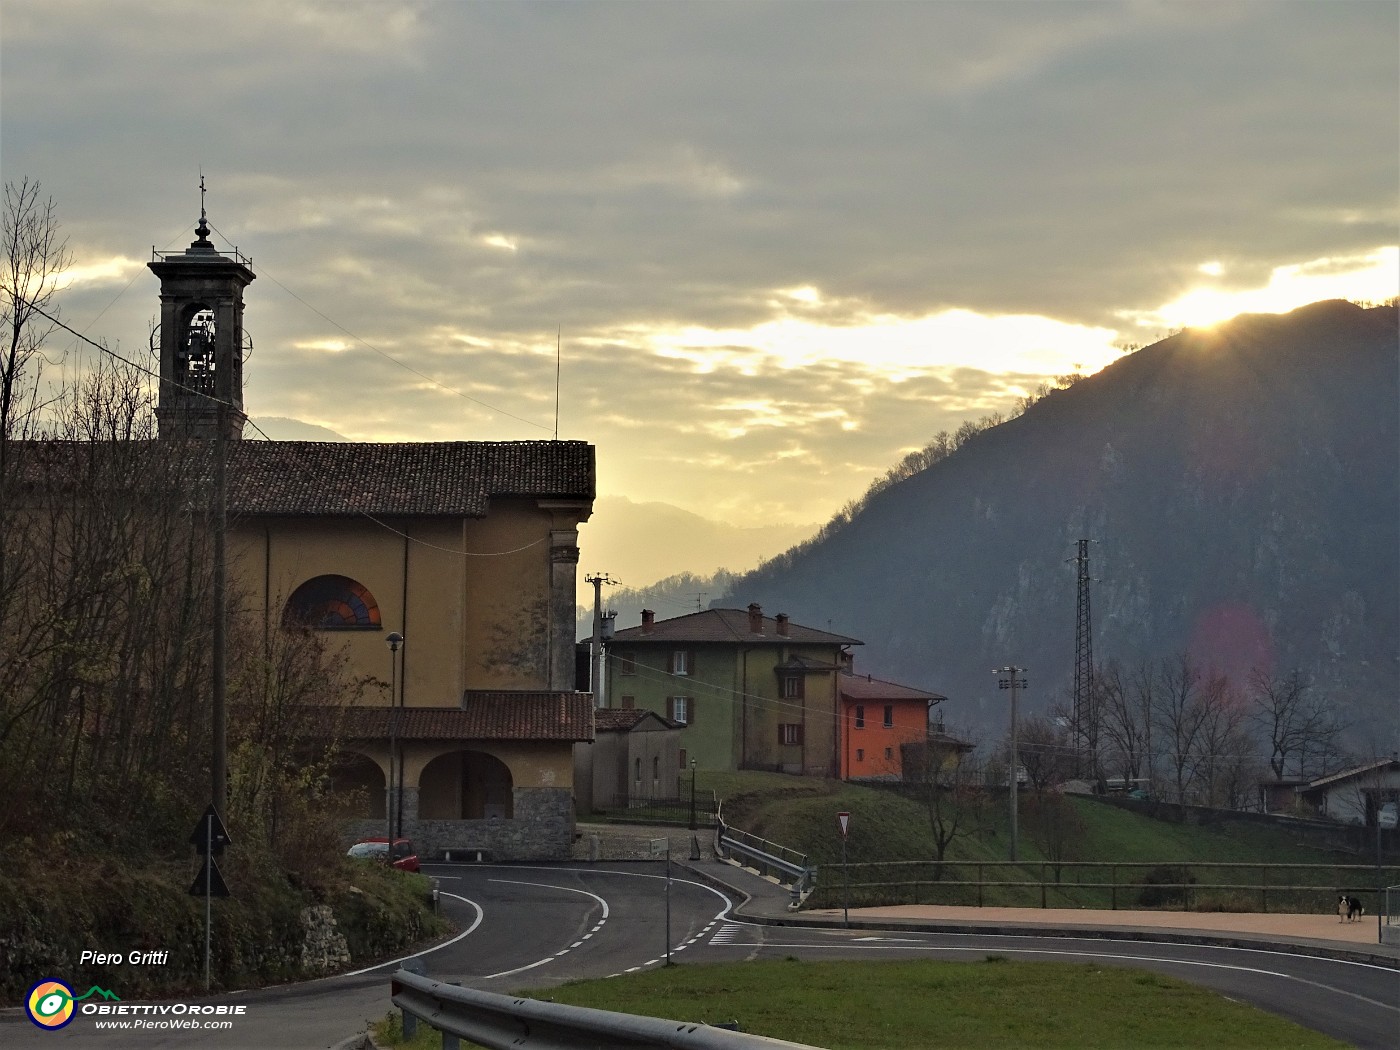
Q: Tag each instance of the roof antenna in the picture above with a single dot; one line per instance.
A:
(558, 367)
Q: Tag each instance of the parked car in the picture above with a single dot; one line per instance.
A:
(403, 855)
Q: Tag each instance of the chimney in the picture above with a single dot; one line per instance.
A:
(648, 618)
(781, 619)
(755, 618)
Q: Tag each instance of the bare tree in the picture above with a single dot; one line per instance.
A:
(1046, 753)
(35, 255)
(1124, 704)
(1227, 752)
(1300, 727)
(1179, 717)
(947, 785)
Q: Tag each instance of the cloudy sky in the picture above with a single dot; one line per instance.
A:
(780, 244)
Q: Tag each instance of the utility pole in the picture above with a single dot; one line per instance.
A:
(218, 766)
(1011, 679)
(595, 649)
(1086, 715)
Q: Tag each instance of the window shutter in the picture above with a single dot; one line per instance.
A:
(690, 710)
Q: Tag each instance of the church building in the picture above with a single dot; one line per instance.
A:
(444, 569)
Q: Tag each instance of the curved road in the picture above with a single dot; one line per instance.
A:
(526, 927)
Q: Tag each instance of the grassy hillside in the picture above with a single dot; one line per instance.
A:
(800, 813)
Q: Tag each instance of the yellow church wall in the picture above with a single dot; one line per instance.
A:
(271, 558)
(506, 607)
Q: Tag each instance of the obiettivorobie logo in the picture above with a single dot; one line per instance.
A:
(50, 1002)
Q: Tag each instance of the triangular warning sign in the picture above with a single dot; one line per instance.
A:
(217, 886)
(210, 833)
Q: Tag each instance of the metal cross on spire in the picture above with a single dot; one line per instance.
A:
(203, 229)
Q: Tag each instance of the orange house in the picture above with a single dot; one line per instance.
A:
(877, 717)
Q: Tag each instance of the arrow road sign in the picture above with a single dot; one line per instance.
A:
(210, 835)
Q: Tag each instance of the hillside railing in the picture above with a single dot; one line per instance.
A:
(1169, 885)
(768, 858)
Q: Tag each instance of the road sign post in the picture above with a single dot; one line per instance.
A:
(843, 820)
(658, 847)
(209, 838)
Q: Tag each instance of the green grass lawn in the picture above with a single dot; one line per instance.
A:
(800, 813)
(987, 1005)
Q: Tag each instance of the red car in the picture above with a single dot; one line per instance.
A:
(402, 857)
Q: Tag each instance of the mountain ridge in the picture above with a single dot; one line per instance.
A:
(1242, 484)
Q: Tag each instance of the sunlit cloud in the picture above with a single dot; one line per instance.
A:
(1212, 269)
(1373, 277)
(893, 347)
(500, 240)
(117, 269)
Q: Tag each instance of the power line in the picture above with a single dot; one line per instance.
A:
(279, 446)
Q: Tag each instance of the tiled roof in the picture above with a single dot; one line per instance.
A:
(728, 625)
(619, 719)
(454, 478)
(303, 478)
(562, 716)
(864, 687)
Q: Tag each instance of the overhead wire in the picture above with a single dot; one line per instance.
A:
(280, 447)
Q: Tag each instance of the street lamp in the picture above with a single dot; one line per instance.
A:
(1011, 679)
(395, 803)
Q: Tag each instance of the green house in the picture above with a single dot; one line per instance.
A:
(752, 691)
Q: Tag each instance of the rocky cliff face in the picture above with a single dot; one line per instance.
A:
(1242, 489)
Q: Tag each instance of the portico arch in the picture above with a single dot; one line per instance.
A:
(359, 780)
(466, 785)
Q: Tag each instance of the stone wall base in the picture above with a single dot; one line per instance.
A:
(542, 829)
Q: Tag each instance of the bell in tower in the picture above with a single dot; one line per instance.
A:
(201, 338)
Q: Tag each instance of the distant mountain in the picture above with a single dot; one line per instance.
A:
(1241, 485)
(639, 543)
(280, 428)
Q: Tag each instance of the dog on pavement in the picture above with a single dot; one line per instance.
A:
(1349, 909)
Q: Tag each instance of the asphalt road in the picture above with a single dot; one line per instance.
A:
(527, 927)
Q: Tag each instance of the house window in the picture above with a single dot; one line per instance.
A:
(680, 662)
(626, 663)
(655, 775)
(637, 775)
(629, 702)
(889, 753)
(792, 687)
(860, 716)
(790, 733)
(682, 759)
(860, 754)
(889, 716)
(680, 709)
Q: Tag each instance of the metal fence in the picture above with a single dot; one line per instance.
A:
(647, 809)
(508, 1022)
(1170, 885)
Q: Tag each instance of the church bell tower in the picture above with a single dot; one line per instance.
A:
(201, 338)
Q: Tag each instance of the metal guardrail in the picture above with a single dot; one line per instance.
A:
(508, 1022)
(767, 858)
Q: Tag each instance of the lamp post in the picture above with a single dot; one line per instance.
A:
(692, 794)
(394, 804)
(1011, 679)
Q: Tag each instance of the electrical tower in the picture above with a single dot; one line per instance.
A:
(1086, 722)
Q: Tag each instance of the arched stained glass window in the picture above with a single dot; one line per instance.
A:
(332, 603)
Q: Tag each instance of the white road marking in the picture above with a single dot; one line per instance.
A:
(417, 955)
(566, 889)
